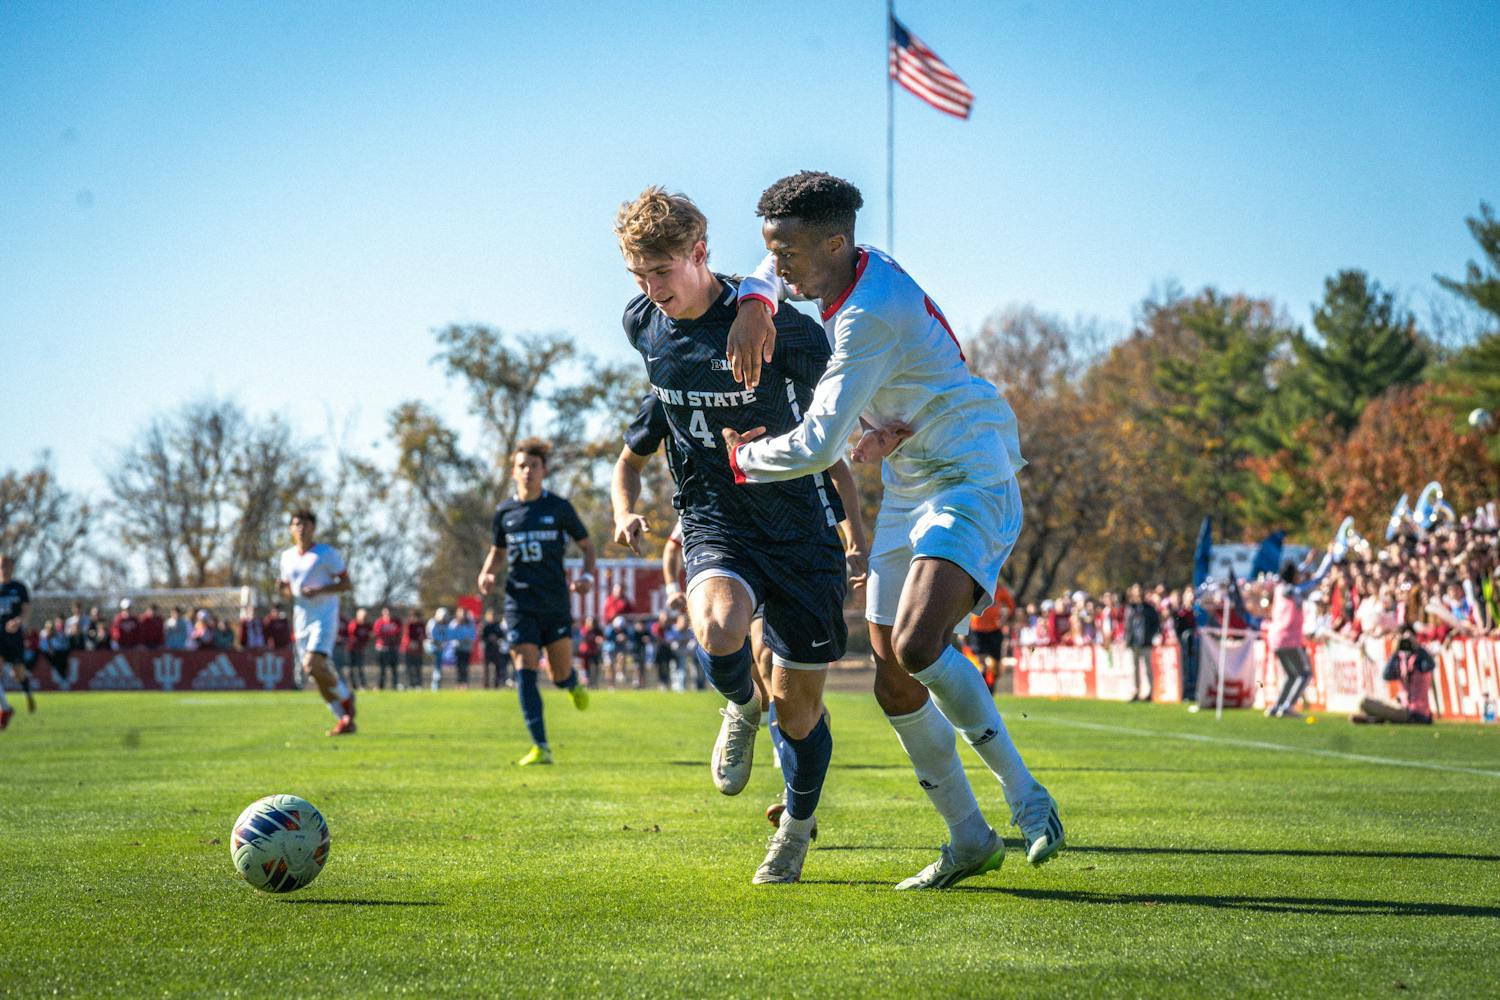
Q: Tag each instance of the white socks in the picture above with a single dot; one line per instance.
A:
(340, 693)
(800, 828)
(960, 695)
(928, 740)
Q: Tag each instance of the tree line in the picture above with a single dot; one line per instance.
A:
(1213, 403)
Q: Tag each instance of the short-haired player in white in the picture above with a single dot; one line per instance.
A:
(313, 575)
(951, 512)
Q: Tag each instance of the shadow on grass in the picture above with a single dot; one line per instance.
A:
(363, 902)
(1316, 905)
(1287, 852)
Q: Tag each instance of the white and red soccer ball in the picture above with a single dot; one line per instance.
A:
(279, 843)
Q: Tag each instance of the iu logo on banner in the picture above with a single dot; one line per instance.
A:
(269, 669)
(168, 671)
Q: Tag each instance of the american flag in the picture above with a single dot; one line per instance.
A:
(919, 70)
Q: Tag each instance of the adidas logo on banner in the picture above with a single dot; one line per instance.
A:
(219, 675)
(168, 670)
(269, 669)
(116, 676)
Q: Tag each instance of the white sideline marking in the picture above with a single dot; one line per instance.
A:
(1262, 745)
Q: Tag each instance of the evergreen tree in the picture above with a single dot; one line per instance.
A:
(1364, 346)
(1221, 393)
(1475, 371)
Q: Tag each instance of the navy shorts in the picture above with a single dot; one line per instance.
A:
(536, 630)
(798, 586)
(12, 647)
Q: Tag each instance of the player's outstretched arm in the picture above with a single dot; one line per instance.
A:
(624, 493)
(494, 565)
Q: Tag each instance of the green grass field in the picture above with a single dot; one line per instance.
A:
(1195, 868)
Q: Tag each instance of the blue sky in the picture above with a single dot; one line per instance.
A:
(281, 201)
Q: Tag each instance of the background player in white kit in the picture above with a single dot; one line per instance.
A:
(313, 575)
(951, 512)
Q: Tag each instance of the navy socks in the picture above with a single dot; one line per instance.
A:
(730, 675)
(531, 706)
(804, 765)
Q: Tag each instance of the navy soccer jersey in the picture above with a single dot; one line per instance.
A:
(13, 594)
(777, 539)
(535, 537)
(699, 397)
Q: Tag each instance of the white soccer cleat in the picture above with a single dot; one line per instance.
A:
(734, 750)
(1041, 827)
(785, 853)
(948, 870)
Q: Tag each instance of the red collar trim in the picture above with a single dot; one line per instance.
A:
(838, 303)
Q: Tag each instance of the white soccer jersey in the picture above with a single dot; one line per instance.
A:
(894, 359)
(319, 566)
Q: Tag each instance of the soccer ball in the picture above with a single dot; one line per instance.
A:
(1480, 419)
(279, 843)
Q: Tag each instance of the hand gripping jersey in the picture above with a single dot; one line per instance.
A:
(694, 396)
(894, 359)
(534, 534)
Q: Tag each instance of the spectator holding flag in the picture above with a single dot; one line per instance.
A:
(1285, 633)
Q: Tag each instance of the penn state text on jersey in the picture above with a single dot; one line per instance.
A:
(534, 534)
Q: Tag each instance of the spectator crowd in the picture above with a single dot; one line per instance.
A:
(1425, 586)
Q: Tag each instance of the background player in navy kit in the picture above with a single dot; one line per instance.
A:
(15, 601)
(530, 535)
(774, 546)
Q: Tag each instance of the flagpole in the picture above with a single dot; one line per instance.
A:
(890, 131)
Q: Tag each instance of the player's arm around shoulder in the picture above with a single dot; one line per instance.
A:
(802, 348)
(863, 357)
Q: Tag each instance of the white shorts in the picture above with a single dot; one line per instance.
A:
(975, 527)
(314, 634)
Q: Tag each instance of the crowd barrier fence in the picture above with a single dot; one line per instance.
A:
(1344, 672)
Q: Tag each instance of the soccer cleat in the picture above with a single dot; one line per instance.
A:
(5, 714)
(536, 755)
(344, 727)
(734, 750)
(785, 853)
(949, 870)
(773, 816)
(1041, 827)
(580, 696)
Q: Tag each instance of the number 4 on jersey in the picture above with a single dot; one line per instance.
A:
(698, 427)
